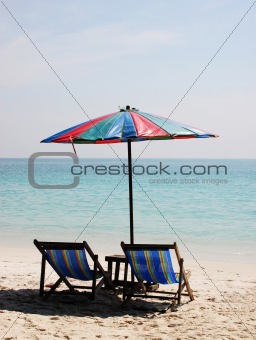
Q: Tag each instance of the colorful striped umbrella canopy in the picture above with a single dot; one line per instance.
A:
(127, 125)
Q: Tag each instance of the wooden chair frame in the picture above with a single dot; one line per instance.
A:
(97, 268)
(141, 286)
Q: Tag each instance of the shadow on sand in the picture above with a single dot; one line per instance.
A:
(106, 305)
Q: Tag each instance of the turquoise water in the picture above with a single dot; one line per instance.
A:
(211, 216)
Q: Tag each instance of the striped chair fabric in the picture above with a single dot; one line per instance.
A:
(152, 265)
(71, 263)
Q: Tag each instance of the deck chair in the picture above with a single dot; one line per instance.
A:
(152, 264)
(69, 260)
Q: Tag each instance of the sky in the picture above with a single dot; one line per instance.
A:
(146, 54)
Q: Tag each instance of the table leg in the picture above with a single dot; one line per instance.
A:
(110, 270)
(117, 272)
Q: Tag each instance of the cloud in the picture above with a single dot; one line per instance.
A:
(21, 63)
(108, 42)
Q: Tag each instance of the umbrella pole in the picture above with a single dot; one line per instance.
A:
(130, 190)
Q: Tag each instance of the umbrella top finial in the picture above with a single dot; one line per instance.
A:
(128, 107)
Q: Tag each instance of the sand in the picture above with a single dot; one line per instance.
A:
(224, 306)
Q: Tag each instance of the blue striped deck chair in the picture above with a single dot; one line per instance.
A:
(152, 264)
(69, 260)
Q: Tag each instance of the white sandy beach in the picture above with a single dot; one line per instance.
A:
(224, 306)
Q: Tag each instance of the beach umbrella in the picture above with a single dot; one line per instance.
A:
(127, 125)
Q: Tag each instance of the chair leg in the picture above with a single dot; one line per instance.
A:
(99, 285)
(184, 274)
(125, 280)
(180, 280)
(95, 259)
(190, 292)
(56, 284)
(41, 290)
(67, 283)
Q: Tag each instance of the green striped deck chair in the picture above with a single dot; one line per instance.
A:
(69, 260)
(152, 264)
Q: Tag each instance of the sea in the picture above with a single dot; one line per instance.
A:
(207, 206)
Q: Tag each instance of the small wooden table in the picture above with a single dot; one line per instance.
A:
(117, 259)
